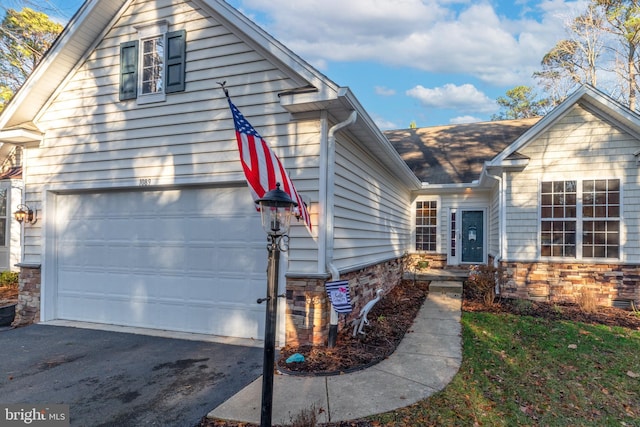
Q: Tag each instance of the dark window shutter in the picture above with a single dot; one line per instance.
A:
(129, 70)
(175, 61)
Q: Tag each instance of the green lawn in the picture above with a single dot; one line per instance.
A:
(521, 370)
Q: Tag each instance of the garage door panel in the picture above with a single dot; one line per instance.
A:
(190, 260)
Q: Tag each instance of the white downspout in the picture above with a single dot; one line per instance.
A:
(501, 219)
(329, 216)
(328, 211)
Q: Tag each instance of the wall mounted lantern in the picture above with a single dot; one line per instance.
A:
(25, 214)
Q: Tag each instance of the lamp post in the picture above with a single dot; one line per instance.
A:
(276, 208)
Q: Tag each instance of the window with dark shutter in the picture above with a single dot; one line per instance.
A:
(153, 65)
(129, 70)
(175, 61)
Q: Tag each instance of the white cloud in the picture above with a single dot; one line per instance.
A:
(383, 123)
(464, 119)
(384, 91)
(430, 35)
(463, 98)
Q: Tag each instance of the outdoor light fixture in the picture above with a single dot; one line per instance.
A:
(26, 214)
(276, 208)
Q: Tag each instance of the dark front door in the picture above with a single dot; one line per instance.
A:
(473, 237)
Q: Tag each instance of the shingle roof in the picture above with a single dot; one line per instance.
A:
(455, 154)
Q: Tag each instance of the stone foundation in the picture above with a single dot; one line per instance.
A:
(565, 282)
(416, 260)
(28, 308)
(308, 308)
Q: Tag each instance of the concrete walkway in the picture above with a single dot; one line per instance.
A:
(425, 361)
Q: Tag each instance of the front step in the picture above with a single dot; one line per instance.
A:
(446, 287)
(437, 274)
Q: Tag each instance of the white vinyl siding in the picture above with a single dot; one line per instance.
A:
(95, 141)
(372, 217)
(580, 146)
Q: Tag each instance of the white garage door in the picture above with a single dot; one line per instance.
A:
(189, 260)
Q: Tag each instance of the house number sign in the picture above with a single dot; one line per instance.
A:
(144, 182)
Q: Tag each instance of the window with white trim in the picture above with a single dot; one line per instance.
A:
(426, 225)
(153, 65)
(580, 221)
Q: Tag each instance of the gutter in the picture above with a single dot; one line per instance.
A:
(329, 218)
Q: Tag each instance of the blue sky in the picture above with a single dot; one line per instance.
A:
(434, 62)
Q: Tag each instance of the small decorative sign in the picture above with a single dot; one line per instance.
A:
(339, 296)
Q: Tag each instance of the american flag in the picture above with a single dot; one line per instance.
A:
(261, 166)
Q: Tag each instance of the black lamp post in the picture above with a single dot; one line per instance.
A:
(276, 208)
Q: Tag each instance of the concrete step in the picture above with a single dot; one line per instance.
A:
(438, 274)
(446, 287)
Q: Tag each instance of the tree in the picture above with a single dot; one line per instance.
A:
(520, 103)
(25, 37)
(575, 60)
(623, 17)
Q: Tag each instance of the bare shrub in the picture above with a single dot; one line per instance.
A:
(482, 283)
(305, 418)
(587, 300)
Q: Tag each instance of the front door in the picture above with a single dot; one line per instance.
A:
(472, 237)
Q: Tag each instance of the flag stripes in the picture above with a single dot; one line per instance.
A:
(262, 168)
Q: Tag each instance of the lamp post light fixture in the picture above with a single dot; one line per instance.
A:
(276, 208)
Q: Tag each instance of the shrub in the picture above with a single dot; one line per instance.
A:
(9, 278)
(482, 282)
(586, 300)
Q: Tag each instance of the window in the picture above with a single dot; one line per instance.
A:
(153, 65)
(426, 225)
(601, 213)
(580, 221)
(558, 211)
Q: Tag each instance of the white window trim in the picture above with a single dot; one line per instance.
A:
(439, 211)
(154, 30)
(579, 223)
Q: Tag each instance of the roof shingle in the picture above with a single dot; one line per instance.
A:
(455, 154)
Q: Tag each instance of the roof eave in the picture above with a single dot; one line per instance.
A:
(21, 136)
(83, 32)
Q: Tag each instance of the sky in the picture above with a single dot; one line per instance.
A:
(431, 62)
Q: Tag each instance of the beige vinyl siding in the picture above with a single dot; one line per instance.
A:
(579, 146)
(93, 140)
(371, 209)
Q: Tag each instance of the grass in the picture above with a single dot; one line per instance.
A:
(521, 370)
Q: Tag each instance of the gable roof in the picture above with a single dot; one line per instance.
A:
(455, 154)
(588, 98)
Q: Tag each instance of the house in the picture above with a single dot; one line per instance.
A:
(552, 202)
(144, 216)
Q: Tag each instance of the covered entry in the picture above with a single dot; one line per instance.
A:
(472, 237)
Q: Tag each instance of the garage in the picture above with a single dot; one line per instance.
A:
(191, 260)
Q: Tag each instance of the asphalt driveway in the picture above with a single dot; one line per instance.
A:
(120, 379)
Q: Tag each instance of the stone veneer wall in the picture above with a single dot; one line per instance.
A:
(435, 260)
(565, 282)
(307, 316)
(28, 308)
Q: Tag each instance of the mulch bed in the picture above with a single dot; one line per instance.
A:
(389, 320)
